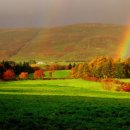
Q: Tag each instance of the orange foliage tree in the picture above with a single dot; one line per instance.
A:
(23, 75)
(9, 75)
(39, 74)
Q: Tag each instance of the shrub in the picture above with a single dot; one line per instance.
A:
(107, 85)
(111, 84)
(126, 87)
(39, 74)
(9, 75)
(23, 75)
(94, 79)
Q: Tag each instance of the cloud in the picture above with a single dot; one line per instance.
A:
(19, 13)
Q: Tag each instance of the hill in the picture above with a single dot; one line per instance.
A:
(68, 43)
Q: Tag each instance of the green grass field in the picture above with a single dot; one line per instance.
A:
(125, 80)
(71, 104)
(59, 74)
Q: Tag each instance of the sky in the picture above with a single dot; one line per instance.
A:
(44, 13)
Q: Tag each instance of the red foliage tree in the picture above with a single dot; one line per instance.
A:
(9, 75)
(39, 74)
(126, 87)
(23, 75)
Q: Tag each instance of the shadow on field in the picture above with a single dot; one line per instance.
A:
(63, 112)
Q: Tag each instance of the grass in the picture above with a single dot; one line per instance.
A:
(72, 104)
(125, 80)
(59, 74)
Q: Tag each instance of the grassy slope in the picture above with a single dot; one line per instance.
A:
(59, 74)
(75, 42)
(62, 104)
(125, 80)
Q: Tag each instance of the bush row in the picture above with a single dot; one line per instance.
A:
(111, 84)
(10, 75)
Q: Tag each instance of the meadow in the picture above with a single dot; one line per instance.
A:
(71, 104)
(59, 74)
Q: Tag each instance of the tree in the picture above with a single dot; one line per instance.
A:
(1, 70)
(74, 65)
(127, 68)
(9, 75)
(119, 70)
(23, 75)
(23, 67)
(70, 66)
(39, 74)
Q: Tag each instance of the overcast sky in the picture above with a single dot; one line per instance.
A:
(41, 13)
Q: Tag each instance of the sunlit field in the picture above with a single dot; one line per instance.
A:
(62, 104)
(59, 74)
(125, 80)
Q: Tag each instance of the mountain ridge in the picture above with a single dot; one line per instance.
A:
(72, 42)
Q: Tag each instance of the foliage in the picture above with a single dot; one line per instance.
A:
(119, 70)
(9, 75)
(116, 85)
(23, 75)
(39, 74)
(23, 67)
(53, 67)
(1, 70)
(126, 87)
(16, 67)
(112, 84)
(102, 67)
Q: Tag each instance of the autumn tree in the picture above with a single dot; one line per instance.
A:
(9, 75)
(23, 75)
(39, 74)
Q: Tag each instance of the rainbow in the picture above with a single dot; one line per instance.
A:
(124, 47)
(55, 10)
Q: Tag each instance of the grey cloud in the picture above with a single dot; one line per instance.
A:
(32, 13)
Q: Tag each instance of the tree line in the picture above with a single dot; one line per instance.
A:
(103, 67)
(9, 70)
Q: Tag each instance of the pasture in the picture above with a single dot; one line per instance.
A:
(59, 74)
(71, 104)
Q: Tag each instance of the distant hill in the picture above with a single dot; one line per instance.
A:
(68, 43)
